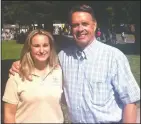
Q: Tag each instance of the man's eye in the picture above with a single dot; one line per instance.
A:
(74, 25)
(85, 24)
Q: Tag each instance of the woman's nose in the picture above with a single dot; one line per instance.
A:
(41, 49)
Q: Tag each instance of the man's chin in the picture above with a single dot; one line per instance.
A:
(82, 41)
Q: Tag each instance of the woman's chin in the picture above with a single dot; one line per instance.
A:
(41, 60)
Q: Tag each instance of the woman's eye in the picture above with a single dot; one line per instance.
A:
(35, 45)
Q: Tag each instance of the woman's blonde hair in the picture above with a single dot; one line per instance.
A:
(27, 63)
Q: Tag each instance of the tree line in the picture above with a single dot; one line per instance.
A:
(109, 13)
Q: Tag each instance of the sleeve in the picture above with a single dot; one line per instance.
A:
(11, 91)
(123, 80)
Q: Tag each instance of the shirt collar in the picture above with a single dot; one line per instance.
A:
(35, 73)
(89, 51)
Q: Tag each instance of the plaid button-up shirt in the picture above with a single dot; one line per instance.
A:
(97, 83)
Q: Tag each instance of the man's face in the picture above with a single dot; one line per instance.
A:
(83, 28)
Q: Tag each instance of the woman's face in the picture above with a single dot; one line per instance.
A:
(40, 48)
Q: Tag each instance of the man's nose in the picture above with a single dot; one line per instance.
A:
(80, 27)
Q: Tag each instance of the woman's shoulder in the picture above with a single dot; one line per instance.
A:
(58, 67)
(16, 77)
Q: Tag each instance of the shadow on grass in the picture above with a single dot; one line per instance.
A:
(128, 49)
(64, 42)
(5, 66)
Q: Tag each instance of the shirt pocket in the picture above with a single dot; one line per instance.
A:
(98, 90)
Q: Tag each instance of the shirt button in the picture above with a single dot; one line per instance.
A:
(78, 107)
(87, 110)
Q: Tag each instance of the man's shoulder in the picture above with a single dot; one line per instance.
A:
(111, 49)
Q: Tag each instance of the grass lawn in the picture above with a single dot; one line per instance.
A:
(134, 61)
(11, 50)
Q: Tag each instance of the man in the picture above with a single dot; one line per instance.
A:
(98, 84)
(123, 37)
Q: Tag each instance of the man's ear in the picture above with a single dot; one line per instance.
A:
(95, 25)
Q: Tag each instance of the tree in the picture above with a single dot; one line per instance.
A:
(28, 12)
(16, 12)
(111, 15)
(127, 10)
(136, 18)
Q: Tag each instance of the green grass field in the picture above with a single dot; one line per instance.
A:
(134, 61)
(11, 50)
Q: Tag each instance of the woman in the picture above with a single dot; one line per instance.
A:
(36, 101)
